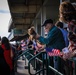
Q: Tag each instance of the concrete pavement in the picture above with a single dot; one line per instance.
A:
(21, 67)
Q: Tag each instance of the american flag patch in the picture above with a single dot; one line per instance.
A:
(53, 52)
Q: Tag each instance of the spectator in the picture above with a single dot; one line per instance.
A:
(72, 46)
(4, 68)
(54, 39)
(3, 65)
(8, 54)
(23, 48)
(68, 14)
(64, 32)
(69, 52)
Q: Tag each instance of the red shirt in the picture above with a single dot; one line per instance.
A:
(8, 57)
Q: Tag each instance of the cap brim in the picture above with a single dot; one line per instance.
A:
(43, 25)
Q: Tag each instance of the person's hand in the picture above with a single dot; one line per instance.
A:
(65, 56)
(72, 54)
(31, 31)
(68, 55)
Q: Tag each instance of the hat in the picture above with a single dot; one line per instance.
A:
(47, 21)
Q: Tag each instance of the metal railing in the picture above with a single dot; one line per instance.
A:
(45, 67)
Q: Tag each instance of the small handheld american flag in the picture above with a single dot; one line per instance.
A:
(53, 52)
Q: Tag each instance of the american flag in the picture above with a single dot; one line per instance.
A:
(53, 52)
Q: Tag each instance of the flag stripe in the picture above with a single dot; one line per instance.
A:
(53, 52)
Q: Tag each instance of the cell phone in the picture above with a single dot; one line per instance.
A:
(65, 50)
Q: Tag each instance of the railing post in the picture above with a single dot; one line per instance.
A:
(75, 68)
(43, 63)
(46, 64)
(74, 60)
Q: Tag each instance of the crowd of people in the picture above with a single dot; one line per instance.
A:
(57, 38)
(60, 38)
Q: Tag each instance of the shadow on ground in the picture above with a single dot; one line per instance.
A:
(20, 74)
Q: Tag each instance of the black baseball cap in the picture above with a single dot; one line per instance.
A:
(47, 21)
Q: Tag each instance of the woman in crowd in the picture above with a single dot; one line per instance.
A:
(67, 14)
(3, 65)
(8, 56)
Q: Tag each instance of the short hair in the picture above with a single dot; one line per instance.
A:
(59, 24)
(67, 12)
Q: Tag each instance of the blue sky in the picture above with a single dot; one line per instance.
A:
(4, 18)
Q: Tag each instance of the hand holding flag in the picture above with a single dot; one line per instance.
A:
(53, 52)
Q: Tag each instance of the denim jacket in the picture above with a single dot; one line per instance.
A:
(54, 39)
